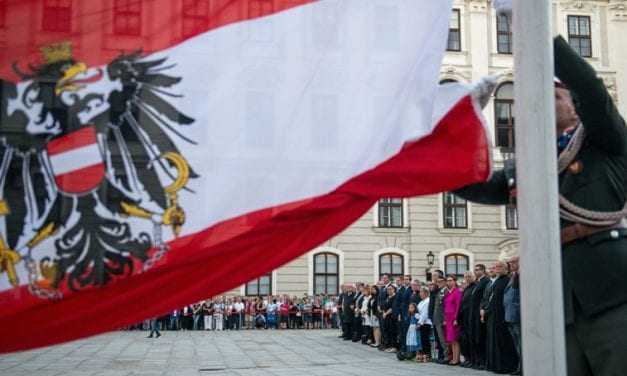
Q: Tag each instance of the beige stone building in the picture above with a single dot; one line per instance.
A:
(401, 236)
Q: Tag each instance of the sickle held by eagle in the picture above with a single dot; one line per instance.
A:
(174, 215)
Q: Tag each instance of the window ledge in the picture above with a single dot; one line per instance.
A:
(455, 231)
(501, 55)
(390, 230)
(510, 232)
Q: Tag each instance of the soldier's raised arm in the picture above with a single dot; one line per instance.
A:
(495, 191)
(603, 124)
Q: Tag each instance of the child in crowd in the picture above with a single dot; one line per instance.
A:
(412, 343)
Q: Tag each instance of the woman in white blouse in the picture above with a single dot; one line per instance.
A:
(363, 310)
(425, 326)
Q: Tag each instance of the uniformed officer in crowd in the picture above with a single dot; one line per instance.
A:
(592, 142)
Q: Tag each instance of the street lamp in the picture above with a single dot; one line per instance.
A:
(430, 259)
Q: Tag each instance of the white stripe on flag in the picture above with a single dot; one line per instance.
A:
(76, 159)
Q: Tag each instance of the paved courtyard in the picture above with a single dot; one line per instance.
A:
(245, 353)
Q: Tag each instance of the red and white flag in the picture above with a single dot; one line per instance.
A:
(161, 152)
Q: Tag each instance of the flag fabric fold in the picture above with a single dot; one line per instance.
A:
(137, 182)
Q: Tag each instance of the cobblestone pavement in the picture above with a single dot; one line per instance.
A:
(244, 353)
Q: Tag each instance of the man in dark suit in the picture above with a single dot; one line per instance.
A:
(348, 303)
(340, 303)
(592, 184)
(382, 299)
(477, 327)
(433, 297)
(357, 321)
(402, 306)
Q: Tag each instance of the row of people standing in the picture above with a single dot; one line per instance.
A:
(473, 324)
(387, 316)
(235, 313)
(480, 322)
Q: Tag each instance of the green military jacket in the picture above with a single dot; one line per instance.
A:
(593, 268)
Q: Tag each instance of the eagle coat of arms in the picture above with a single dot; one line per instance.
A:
(83, 153)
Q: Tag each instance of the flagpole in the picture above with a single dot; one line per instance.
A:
(543, 335)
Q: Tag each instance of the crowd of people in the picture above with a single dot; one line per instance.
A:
(473, 324)
(235, 313)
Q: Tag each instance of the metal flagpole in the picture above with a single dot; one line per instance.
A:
(543, 334)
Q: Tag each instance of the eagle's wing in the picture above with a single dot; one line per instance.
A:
(144, 122)
(28, 193)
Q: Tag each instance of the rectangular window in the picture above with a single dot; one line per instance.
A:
(195, 17)
(261, 286)
(579, 35)
(454, 32)
(127, 15)
(391, 212)
(326, 274)
(455, 211)
(511, 217)
(505, 135)
(504, 34)
(57, 16)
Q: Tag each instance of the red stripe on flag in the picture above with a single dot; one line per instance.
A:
(82, 137)
(99, 32)
(81, 180)
(233, 252)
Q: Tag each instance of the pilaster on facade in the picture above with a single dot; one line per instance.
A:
(618, 10)
(479, 6)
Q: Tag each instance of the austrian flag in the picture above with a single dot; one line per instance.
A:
(156, 153)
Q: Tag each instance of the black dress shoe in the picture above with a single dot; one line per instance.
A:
(149, 337)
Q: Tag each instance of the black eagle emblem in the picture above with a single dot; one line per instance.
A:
(84, 152)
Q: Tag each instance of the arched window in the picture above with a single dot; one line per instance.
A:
(456, 264)
(392, 264)
(326, 274)
(504, 116)
(261, 286)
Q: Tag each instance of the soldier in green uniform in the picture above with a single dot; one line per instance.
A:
(593, 194)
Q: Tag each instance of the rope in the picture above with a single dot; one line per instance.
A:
(573, 213)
